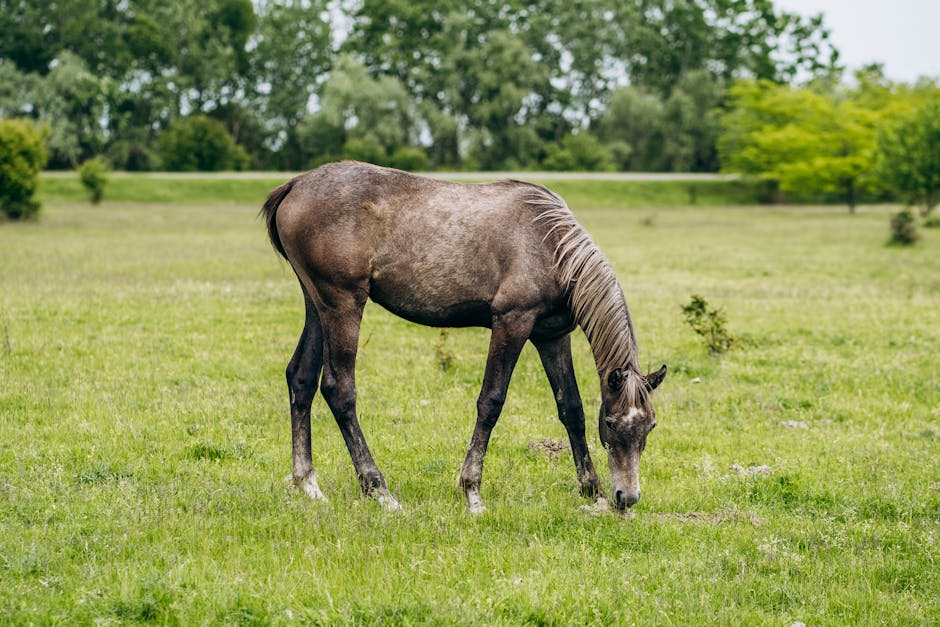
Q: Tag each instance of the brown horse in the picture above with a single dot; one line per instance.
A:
(508, 256)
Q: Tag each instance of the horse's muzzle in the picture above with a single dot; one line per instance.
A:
(624, 499)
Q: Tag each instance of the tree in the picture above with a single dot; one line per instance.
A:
(803, 140)
(660, 41)
(199, 143)
(635, 117)
(582, 152)
(22, 157)
(908, 158)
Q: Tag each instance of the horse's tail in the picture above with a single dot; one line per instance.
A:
(269, 211)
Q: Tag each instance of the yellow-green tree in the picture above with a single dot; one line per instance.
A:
(908, 158)
(805, 140)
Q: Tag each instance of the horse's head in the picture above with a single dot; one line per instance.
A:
(626, 418)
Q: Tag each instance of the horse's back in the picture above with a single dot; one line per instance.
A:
(429, 250)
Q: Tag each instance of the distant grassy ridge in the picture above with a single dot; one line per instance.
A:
(253, 188)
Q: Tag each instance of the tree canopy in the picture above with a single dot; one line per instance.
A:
(467, 84)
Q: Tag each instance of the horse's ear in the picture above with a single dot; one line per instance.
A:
(615, 380)
(653, 379)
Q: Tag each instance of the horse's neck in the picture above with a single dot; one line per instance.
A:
(594, 295)
(606, 323)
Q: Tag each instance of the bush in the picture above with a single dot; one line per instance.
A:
(907, 157)
(582, 152)
(201, 144)
(409, 159)
(710, 324)
(366, 149)
(903, 228)
(22, 157)
(93, 174)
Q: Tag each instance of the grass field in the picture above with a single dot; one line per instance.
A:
(144, 435)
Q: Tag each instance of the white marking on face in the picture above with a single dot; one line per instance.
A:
(631, 415)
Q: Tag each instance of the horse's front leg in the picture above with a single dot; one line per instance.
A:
(510, 332)
(556, 359)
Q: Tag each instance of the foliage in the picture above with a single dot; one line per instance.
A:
(22, 158)
(711, 324)
(909, 157)
(480, 83)
(582, 152)
(408, 159)
(93, 174)
(904, 228)
(199, 143)
(805, 139)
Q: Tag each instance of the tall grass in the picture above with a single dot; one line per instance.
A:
(145, 439)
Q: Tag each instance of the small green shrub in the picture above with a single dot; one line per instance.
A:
(22, 158)
(201, 144)
(93, 174)
(903, 228)
(932, 223)
(710, 324)
(445, 356)
(409, 159)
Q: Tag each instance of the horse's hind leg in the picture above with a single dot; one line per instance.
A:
(556, 359)
(341, 318)
(303, 371)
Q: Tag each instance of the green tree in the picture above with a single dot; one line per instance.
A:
(804, 140)
(635, 117)
(660, 41)
(908, 158)
(93, 175)
(22, 157)
(199, 143)
(581, 151)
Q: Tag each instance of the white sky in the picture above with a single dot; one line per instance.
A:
(904, 35)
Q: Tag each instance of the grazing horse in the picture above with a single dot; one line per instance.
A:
(508, 256)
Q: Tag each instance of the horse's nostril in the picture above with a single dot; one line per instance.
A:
(619, 500)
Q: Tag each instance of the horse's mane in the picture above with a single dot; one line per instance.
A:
(594, 295)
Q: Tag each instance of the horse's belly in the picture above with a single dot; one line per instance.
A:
(451, 298)
(454, 314)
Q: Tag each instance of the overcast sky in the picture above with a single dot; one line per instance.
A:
(904, 35)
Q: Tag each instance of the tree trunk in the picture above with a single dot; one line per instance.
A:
(850, 195)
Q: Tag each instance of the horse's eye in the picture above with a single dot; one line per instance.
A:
(609, 422)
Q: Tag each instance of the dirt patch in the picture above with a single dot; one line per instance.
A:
(740, 470)
(549, 447)
(712, 518)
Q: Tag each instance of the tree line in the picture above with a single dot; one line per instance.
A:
(646, 85)
(476, 84)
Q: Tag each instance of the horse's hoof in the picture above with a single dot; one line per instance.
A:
(309, 486)
(475, 502)
(387, 501)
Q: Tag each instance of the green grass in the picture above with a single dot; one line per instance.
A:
(65, 186)
(144, 435)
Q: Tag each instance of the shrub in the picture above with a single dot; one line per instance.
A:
(366, 149)
(199, 144)
(93, 174)
(903, 228)
(710, 324)
(22, 157)
(907, 158)
(582, 152)
(410, 159)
